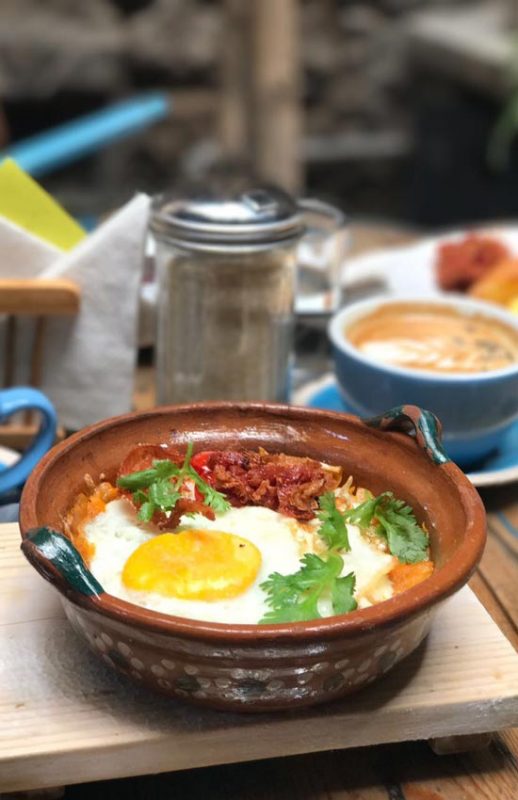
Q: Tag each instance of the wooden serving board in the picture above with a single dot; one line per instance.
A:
(65, 718)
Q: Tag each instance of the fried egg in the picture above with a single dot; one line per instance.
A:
(212, 569)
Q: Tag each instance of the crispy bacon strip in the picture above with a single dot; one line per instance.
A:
(288, 484)
(460, 263)
(142, 457)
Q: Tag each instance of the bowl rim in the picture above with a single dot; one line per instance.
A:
(465, 305)
(448, 579)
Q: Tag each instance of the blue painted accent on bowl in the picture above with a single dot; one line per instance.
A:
(505, 455)
(66, 559)
(411, 419)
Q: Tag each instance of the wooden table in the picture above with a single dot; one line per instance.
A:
(410, 771)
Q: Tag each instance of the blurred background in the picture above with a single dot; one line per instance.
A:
(397, 110)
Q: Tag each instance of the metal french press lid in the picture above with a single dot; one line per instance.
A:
(255, 219)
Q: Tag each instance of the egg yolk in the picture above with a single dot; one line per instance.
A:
(194, 565)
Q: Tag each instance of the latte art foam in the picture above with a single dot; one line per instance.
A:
(435, 338)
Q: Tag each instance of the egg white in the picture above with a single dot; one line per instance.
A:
(282, 541)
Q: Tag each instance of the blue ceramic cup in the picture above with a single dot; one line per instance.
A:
(25, 398)
(476, 409)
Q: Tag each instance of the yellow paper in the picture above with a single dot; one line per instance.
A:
(28, 205)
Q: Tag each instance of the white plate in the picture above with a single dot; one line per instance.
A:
(410, 270)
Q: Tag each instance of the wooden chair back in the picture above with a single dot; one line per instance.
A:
(39, 299)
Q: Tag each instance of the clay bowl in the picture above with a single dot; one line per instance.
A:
(260, 667)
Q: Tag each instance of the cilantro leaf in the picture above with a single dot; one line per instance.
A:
(214, 499)
(396, 522)
(146, 511)
(342, 594)
(406, 538)
(294, 598)
(142, 479)
(362, 515)
(333, 529)
(164, 494)
(139, 496)
(187, 458)
(159, 487)
(137, 480)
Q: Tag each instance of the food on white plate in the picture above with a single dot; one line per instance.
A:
(245, 536)
(434, 338)
(480, 265)
(459, 264)
(500, 285)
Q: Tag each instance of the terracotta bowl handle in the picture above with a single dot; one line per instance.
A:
(58, 561)
(412, 419)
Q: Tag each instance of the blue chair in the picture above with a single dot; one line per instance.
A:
(47, 151)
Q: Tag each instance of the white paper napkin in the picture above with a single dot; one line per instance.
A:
(22, 254)
(89, 359)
